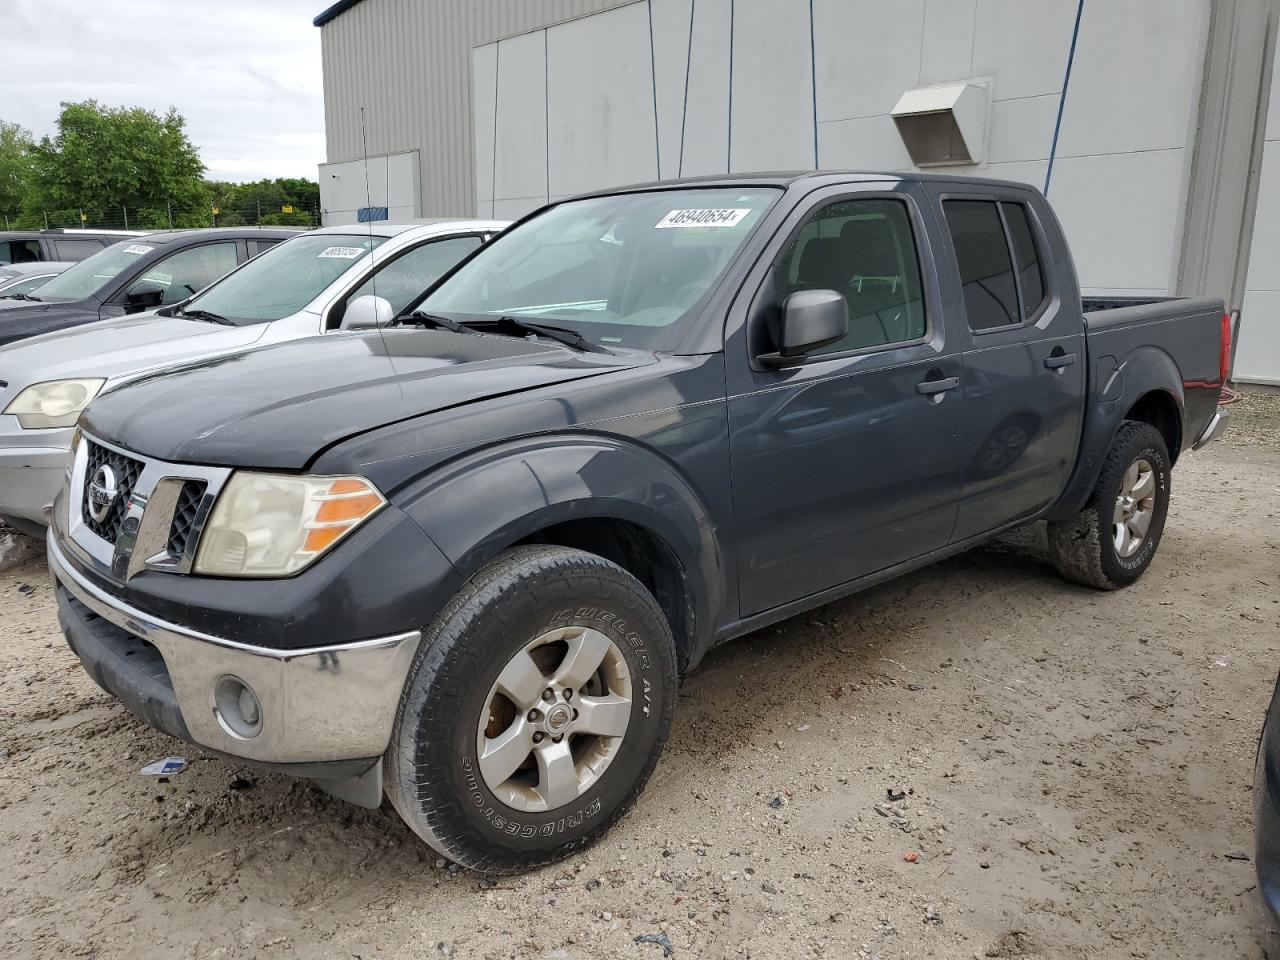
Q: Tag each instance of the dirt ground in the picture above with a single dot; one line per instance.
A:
(1077, 770)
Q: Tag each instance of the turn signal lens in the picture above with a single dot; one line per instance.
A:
(273, 525)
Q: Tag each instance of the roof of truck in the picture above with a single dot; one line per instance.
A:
(786, 178)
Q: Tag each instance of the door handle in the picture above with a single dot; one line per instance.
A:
(928, 387)
(1059, 360)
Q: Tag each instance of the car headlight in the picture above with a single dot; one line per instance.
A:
(56, 403)
(273, 525)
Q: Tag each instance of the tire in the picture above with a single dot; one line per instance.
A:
(434, 773)
(1087, 549)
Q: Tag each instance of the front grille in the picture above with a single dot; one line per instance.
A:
(184, 516)
(126, 471)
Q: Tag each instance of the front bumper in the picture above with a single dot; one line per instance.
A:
(1217, 424)
(319, 705)
(33, 464)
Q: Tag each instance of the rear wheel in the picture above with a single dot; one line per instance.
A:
(535, 710)
(1112, 541)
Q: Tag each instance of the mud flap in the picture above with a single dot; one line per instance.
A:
(364, 790)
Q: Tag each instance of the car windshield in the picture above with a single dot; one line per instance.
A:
(622, 270)
(284, 279)
(90, 275)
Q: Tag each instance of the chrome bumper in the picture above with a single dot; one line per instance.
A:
(319, 704)
(1213, 431)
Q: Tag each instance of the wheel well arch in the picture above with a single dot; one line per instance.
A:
(642, 553)
(1160, 410)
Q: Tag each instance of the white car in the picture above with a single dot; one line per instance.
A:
(17, 279)
(331, 279)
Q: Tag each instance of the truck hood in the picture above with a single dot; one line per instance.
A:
(114, 348)
(279, 406)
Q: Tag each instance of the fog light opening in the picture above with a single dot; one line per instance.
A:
(237, 708)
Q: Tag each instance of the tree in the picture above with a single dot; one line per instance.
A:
(262, 201)
(16, 145)
(105, 159)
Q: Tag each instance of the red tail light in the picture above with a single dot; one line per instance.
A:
(1224, 358)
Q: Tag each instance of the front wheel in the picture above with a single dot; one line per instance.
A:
(1111, 542)
(535, 710)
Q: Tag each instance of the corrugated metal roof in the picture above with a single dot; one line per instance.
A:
(329, 13)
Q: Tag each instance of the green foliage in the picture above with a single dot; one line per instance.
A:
(112, 163)
(16, 145)
(104, 159)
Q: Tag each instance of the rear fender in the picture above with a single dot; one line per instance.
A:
(1113, 390)
(475, 507)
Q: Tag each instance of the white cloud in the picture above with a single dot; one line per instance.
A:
(244, 73)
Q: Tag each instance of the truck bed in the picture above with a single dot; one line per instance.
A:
(1120, 330)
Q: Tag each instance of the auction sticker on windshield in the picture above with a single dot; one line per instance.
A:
(138, 248)
(339, 253)
(701, 218)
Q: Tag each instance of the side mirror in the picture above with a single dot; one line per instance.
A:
(144, 295)
(365, 312)
(810, 319)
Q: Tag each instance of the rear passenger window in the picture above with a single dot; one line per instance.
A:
(986, 270)
(1026, 257)
(20, 251)
(76, 250)
(864, 250)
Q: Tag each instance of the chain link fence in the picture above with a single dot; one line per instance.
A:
(167, 216)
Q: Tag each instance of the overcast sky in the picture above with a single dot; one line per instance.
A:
(244, 73)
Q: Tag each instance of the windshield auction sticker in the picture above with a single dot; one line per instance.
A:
(339, 253)
(138, 248)
(701, 218)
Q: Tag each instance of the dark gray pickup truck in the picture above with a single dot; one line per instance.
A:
(465, 558)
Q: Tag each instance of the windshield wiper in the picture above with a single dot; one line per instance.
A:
(207, 316)
(20, 296)
(570, 338)
(420, 318)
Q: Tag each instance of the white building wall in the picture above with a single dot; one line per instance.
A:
(1119, 179)
(1257, 355)
(389, 181)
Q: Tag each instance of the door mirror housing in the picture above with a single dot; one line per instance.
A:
(811, 319)
(366, 312)
(144, 295)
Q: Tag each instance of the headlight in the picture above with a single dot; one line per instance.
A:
(273, 525)
(57, 403)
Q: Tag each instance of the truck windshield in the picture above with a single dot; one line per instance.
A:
(93, 273)
(285, 279)
(621, 270)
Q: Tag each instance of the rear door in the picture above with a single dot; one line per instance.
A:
(1024, 359)
(841, 466)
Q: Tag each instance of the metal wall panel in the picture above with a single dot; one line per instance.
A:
(409, 64)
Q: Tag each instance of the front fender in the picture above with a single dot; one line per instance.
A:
(480, 504)
(1113, 390)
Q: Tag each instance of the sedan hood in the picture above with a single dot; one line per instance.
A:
(112, 348)
(20, 319)
(278, 407)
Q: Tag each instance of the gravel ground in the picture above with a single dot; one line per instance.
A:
(1074, 767)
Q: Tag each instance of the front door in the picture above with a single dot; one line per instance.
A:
(849, 462)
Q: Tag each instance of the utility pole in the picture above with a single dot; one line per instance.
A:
(126, 216)
(168, 205)
(46, 219)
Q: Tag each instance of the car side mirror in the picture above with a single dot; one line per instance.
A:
(811, 319)
(365, 312)
(144, 295)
